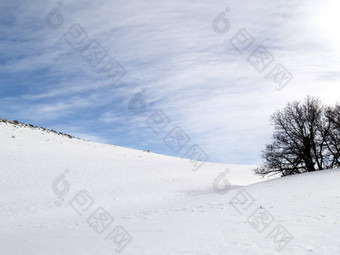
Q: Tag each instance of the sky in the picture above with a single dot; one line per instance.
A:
(167, 75)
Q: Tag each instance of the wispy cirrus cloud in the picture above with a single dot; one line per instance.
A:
(170, 49)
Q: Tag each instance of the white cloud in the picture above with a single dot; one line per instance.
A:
(188, 70)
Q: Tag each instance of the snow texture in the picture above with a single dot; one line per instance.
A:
(61, 195)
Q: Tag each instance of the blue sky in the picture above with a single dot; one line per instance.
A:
(171, 52)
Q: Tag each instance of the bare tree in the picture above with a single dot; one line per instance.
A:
(299, 141)
(332, 134)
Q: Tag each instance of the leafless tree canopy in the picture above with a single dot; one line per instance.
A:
(306, 138)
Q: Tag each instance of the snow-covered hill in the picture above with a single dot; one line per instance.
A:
(61, 195)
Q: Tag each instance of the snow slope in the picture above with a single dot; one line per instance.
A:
(164, 206)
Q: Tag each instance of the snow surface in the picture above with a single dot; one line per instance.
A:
(164, 206)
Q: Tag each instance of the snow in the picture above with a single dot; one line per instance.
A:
(164, 206)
